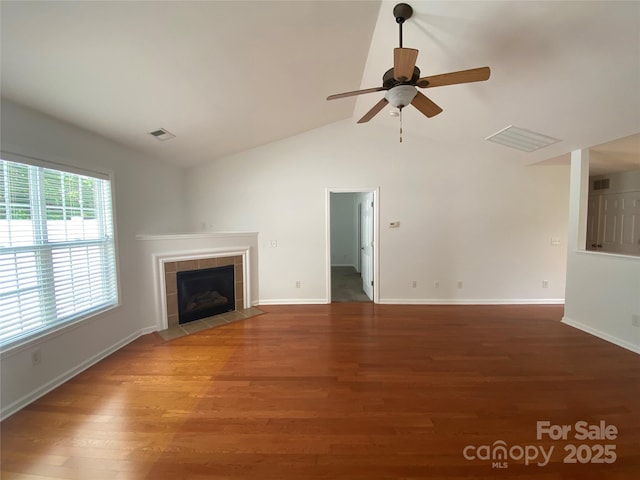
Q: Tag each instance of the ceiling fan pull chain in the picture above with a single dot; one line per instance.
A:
(400, 125)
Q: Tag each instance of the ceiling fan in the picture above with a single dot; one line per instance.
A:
(401, 81)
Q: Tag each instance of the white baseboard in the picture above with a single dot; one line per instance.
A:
(600, 334)
(293, 301)
(471, 301)
(422, 301)
(8, 410)
(145, 331)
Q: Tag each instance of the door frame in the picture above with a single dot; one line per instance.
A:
(376, 235)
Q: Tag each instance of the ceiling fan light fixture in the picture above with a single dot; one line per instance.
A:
(401, 96)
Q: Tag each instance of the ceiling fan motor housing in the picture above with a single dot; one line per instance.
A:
(388, 80)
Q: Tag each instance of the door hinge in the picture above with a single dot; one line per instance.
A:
(372, 283)
(371, 204)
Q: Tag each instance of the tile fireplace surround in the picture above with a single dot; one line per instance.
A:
(165, 255)
(171, 290)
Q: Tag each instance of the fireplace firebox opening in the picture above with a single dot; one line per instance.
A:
(205, 292)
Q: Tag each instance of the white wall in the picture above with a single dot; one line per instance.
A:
(482, 221)
(603, 290)
(620, 182)
(149, 198)
(344, 229)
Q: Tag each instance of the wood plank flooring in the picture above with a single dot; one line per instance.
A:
(341, 391)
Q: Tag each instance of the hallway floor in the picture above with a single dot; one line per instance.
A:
(346, 285)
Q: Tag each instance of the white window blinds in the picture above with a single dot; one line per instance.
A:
(57, 251)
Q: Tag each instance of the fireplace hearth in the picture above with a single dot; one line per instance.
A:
(205, 292)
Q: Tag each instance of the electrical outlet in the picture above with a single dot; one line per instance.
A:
(414, 284)
(273, 243)
(436, 284)
(298, 284)
(635, 320)
(459, 283)
(36, 357)
(545, 283)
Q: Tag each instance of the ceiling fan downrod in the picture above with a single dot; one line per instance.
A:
(402, 12)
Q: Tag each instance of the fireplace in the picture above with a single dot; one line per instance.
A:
(172, 268)
(164, 256)
(205, 292)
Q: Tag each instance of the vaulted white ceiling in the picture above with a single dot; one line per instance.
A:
(229, 76)
(569, 70)
(223, 76)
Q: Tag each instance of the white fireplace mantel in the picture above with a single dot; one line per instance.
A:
(156, 250)
(195, 236)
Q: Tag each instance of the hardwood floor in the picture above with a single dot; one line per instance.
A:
(341, 391)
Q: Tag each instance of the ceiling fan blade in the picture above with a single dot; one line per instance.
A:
(404, 60)
(463, 76)
(372, 113)
(355, 92)
(426, 106)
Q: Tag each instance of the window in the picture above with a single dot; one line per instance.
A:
(57, 250)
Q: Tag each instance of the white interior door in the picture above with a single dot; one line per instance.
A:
(610, 223)
(630, 223)
(613, 223)
(359, 238)
(593, 219)
(367, 244)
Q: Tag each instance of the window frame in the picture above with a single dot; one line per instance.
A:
(73, 321)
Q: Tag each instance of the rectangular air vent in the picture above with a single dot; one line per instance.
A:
(602, 184)
(162, 134)
(521, 139)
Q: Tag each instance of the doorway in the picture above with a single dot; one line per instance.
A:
(352, 239)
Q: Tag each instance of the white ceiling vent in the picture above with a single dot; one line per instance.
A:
(521, 139)
(162, 134)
